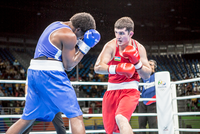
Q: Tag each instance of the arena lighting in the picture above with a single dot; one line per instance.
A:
(129, 4)
(172, 10)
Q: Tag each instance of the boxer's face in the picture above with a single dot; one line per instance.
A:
(79, 34)
(122, 36)
(152, 65)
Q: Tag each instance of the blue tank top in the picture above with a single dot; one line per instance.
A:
(45, 47)
(148, 91)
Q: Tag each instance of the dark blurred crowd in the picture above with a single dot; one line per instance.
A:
(11, 71)
(188, 89)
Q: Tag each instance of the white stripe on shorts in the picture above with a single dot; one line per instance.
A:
(123, 85)
(46, 65)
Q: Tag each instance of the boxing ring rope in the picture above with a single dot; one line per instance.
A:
(174, 103)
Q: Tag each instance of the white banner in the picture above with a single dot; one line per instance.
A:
(164, 103)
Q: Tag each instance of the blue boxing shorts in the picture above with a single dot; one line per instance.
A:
(49, 92)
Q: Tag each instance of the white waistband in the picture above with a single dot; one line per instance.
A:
(123, 85)
(46, 65)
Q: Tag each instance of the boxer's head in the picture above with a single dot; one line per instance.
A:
(125, 22)
(83, 21)
(124, 30)
(153, 65)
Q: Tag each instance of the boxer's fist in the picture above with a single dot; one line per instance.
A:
(133, 56)
(126, 69)
(90, 39)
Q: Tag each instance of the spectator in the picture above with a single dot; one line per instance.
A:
(17, 76)
(87, 102)
(6, 62)
(85, 78)
(91, 75)
(80, 65)
(2, 66)
(1, 62)
(17, 109)
(101, 77)
(99, 91)
(72, 78)
(194, 101)
(1, 92)
(92, 107)
(1, 109)
(22, 71)
(93, 89)
(189, 89)
(92, 67)
(96, 77)
(148, 106)
(195, 89)
(8, 85)
(15, 63)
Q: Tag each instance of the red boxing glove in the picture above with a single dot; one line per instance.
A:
(126, 69)
(133, 56)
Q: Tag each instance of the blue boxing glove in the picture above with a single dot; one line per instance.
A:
(91, 38)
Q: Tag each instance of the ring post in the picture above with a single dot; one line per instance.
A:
(164, 103)
(174, 108)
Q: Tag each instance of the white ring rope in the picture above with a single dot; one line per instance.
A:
(102, 83)
(186, 97)
(79, 99)
(187, 113)
(185, 81)
(73, 82)
(188, 130)
(85, 115)
(100, 99)
(92, 131)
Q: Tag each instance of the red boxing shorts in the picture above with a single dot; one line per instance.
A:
(116, 102)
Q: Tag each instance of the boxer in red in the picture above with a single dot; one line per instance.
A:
(124, 59)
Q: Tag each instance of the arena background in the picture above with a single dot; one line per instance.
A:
(169, 30)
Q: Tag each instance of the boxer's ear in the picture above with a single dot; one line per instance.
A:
(131, 33)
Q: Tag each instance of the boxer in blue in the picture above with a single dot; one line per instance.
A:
(60, 48)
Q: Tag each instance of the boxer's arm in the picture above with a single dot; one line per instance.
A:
(90, 39)
(70, 56)
(26, 86)
(127, 69)
(145, 71)
(104, 57)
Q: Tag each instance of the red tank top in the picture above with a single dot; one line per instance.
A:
(115, 78)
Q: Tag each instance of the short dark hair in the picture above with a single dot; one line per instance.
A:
(125, 22)
(84, 21)
(155, 63)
